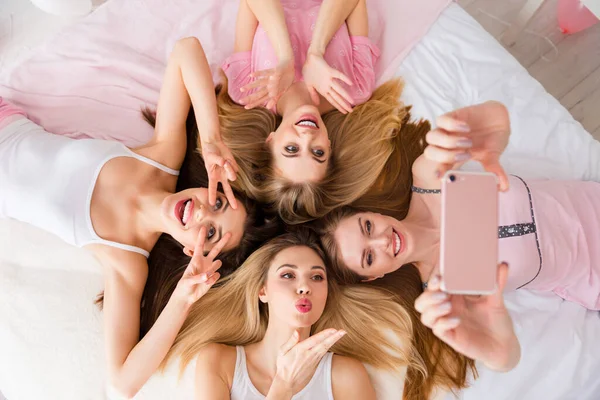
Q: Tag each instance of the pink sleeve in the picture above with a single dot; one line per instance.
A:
(237, 68)
(364, 57)
(7, 109)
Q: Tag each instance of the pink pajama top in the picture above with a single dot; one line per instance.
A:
(549, 233)
(354, 56)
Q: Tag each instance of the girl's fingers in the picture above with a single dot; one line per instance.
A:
(257, 103)
(262, 73)
(199, 247)
(501, 278)
(317, 339)
(342, 77)
(334, 103)
(212, 190)
(219, 246)
(452, 124)
(445, 324)
(254, 97)
(342, 92)
(444, 139)
(428, 299)
(445, 156)
(326, 344)
(292, 341)
(229, 194)
(340, 100)
(230, 171)
(497, 170)
(257, 83)
(431, 314)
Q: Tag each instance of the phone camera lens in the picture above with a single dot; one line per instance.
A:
(452, 178)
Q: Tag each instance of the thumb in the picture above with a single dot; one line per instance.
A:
(501, 278)
(498, 170)
(314, 96)
(292, 341)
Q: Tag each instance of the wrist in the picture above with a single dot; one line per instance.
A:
(315, 50)
(510, 359)
(211, 138)
(280, 389)
(179, 301)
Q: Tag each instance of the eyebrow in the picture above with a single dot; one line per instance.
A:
(292, 266)
(297, 155)
(362, 231)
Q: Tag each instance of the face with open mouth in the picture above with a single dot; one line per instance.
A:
(300, 146)
(296, 287)
(185, 212)
(373, 245)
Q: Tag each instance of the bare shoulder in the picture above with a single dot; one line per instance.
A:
(350, 380)
(218, 358)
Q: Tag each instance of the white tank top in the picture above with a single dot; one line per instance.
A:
(47, 180)
(319, 387)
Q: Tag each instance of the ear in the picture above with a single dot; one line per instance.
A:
(188, 252)
(270, 137)
(262, 295)
(372, 278)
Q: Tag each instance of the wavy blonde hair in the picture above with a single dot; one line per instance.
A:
(443, 365)
(361, 142)
(232, 314)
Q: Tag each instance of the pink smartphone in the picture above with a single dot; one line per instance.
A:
(469, 232)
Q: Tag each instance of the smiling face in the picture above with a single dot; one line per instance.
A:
(300, 146)
(296, 287)
(373, 245)
(185, 212)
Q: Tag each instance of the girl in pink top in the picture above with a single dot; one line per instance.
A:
(548, 233)
(311, 64)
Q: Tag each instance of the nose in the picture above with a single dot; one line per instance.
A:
(382, 241)
(201, 212)
(303, 288)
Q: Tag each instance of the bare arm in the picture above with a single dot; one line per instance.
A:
(269, 14)
(130, 363)
(214, 372)
(187, 81)
(332, 15)
(349, 380)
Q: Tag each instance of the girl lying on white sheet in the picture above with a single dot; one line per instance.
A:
(325, 135)
(116, 202)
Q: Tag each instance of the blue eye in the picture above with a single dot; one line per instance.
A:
(218, 204)
(211, 232)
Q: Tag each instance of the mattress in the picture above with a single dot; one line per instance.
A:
(51, 333)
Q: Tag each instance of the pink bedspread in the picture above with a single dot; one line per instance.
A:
(92, 79)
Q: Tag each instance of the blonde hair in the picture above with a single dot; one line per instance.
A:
(232, 314)
(443, 365)
(362, 143)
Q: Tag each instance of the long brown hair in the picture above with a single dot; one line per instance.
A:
(232, 314)
(362, 143)
(167, 262)
(445, 367)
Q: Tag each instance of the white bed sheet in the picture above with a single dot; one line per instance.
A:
(50, 332)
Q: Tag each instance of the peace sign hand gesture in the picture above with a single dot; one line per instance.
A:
(200, 274)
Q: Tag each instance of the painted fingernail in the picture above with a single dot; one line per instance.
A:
(445, 307)
(341, 333)
(203, 278)
(464, 143)
(438, 173)
(434, 281)
(454, 320)
(440, 296)
(462, 157)
(462, 127)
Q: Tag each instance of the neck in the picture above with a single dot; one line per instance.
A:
(277, 335)
(148, 211)
(297, 96)
(426, 233)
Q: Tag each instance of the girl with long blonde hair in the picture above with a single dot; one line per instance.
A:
(285, 287)
(325, 141)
